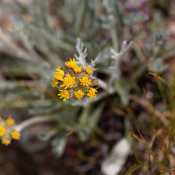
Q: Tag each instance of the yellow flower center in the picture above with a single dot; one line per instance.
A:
(2, 131)
(71, 64)
(68, 82)
(79, 94)
(6, 141)
(10, 121)
(15, 135)
(91, 93)
(85, 81)
(55, 82)
(89, 70)
(64, 94)
(77, 69)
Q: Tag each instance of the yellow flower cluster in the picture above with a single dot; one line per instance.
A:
(55, 82)
(79, 94)
(91, 93)
(68, 82)
(64, 94)
(89, 70)
(7, 131)
(85, 81)
(71, 64)
(77, 82)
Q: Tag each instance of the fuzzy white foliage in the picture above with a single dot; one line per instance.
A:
(94, 62)
(117, 55)
(81, 59)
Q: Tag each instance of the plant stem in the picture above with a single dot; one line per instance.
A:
(34, 120)
(105, 86)
(114, 38)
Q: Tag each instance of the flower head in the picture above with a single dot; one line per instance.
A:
(89, 70)
(77, 69)
(59, 73)
(16, 135)
(76, 81)
(2, 131)
(68, 82)
(6, 141)
(10, 121)
(71, 64)
(85, 81)
(95, 82)
(79, 94)
(55, 82)
(7, 131)
(91, 93)
(64, 94)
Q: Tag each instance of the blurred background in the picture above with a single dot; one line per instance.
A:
(90, 138)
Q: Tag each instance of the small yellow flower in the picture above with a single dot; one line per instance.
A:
(77, 69)
(68, 82)
(71, 64)
(15, 135)
(2, 131)
(10, 121)
(55, 82)
(64, 94)
(85, 81)
(58, 68)
(91, 93)
(95, 82)
(79, 94)
(6, 141)
(60, 73)
(89, 70)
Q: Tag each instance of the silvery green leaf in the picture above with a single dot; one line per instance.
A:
(88, 121)
(95, 115)
(46, 135)
(83, 135)
(104, 55)
(122, 90)
(135, 17)
(158, 65)
(58, 144)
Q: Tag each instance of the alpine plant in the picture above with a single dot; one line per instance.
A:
(78, 81)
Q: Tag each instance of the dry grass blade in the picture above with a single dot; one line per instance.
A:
(28, 85)
(33, 77)
(160, 78)
(137, 138)
(147, 105)
(174, 62)
(69, 133)
(122, 113)
(19, 99)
